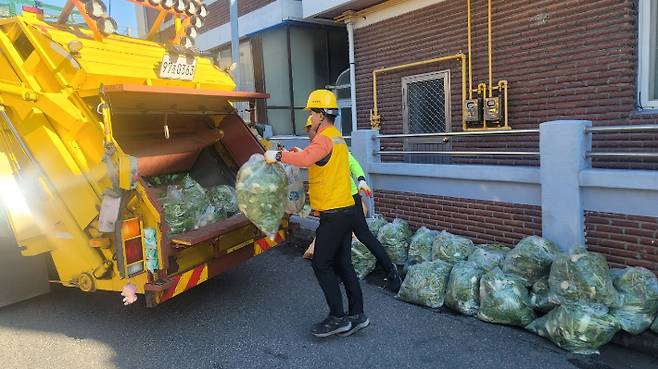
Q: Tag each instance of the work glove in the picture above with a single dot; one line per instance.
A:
(272, 156)
(363, 187)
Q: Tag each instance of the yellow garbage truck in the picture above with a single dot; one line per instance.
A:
(86, 117)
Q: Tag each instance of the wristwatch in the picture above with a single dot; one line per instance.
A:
(278, 156)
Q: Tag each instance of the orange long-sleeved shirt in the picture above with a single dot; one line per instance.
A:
(319, 148)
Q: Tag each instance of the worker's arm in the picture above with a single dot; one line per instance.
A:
(319, 148)
(355, 168)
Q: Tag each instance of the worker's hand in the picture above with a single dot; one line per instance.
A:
(272, 156)
(363, 187)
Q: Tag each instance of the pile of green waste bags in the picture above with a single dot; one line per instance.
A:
(463, 290)
(531, 259)
(363, 260)
(375, 223)
(420, 246)
(579, 328)
(582, 277)
(262, 193)
(504, 299)
(451, 248)
(540, 296)
(488, 257)
(188, 206)
(638, 288)
(395, 237)
(654, 326)
(425, 283)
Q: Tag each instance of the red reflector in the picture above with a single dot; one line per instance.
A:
(134, 251)
(32, 9)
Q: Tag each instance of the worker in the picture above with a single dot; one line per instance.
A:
(360, 226)
(329, 190)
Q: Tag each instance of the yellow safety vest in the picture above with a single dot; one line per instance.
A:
(329, 184)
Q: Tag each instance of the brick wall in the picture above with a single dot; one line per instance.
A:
(624, 239)
(481, 221)
(219, 12)
(563, 60)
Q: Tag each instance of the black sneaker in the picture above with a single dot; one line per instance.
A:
(359, 322)
(331, 326)
(393, 280)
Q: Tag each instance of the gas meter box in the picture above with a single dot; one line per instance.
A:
(492, 109)
(473, 110)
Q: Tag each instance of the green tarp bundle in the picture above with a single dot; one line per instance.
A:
(638, 288)
(531, 259)
(504, 299)
(583, 277)
(463, 291)
(579, 328)
(425, 283)
(488, 257)
(451, 248)
(420, 247)
(262, 192)
(395, 237)
(363, 260)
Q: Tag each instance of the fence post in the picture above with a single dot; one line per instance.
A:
(563, 145)
(364, 144)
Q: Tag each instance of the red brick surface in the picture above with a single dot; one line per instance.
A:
(624, 239)
(563, 60)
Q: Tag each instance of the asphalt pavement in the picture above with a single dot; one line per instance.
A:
(258, 316)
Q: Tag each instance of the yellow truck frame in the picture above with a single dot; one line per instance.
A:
(83, 119)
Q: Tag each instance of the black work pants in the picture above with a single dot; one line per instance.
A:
(333, 255)
(362, 232)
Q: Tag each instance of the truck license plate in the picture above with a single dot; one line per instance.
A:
(177, 67)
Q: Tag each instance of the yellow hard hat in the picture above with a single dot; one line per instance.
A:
(308, 122)
(321, 99)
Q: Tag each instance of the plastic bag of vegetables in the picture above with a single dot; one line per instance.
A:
(420, 245)
(362, 259)
(638, 288)
(531, 259)
(504, 299)
(579, 328)
(375, 223)
(539, 296)
(224, 200)
(488, 257)
(463, 291)
(262, 193)
(425, 284)
(179, 215)
(394, 237)
(582, 276)
(451, 248)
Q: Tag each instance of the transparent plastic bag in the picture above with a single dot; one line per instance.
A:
(420, 246)
(262, 193)
(375, 223)
(425, 284)
(224, 201)
(504, 299)
(582, 277)
(638, 288)
(394, 237)
(296, 191)
(179, 215)
(531, 259)
(362, 259)
(451, 248)
(579, 328)
(463, 291)
(488, 257)
(654, 326)
(539, 296)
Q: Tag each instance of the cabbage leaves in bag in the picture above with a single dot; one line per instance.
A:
(425, 284)
(224, 200)
(394, 237)
(582, 276)
(540, 296)
(579, 328)
(504, 299)
(638, 288)
(488, 257)
(362, 259)
(179, 215)
(451, 248)
(531, 259)
(262, 193)
(463, 291)
(420, 246)
(375, 223)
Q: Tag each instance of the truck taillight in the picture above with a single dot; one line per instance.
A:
(131, 234)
